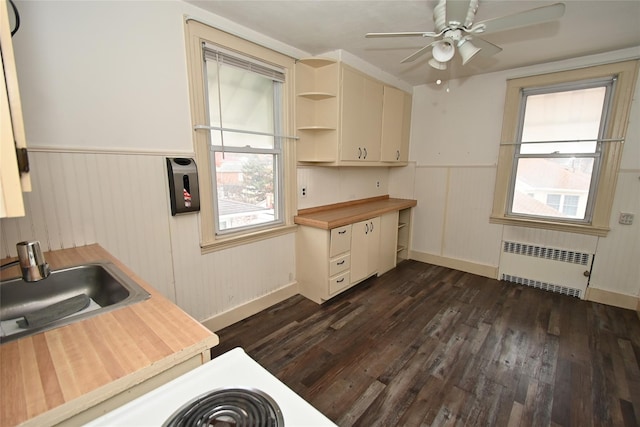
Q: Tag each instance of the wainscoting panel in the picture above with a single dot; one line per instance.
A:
(213, 283)
(116, 200)
(120, 200)
(468, 234)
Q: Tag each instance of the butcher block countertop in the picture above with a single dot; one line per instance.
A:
(341, 214)
(50, 377)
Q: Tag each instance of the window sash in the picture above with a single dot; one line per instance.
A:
(220, 58)
(609, 85)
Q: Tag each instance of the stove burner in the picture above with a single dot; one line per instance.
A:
(228, 407)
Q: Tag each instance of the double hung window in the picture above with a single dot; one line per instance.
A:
(557, 154)
(562, 140)
(242, 100)
(245, 119)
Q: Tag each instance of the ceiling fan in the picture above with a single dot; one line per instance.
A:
(455, 29)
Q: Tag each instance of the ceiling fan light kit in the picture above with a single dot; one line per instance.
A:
(437, 64)
(467, 50)
(454, 27)
(443, 50)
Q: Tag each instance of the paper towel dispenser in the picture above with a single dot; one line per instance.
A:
(184, 192)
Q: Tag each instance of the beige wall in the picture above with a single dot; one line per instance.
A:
(454, 144)
(105, 99)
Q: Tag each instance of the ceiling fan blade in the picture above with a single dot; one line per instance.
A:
(402, 34)
(416, 54)
(457, 10)
(486, 48)
(522, 19)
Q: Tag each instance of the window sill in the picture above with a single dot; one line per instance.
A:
(589, 229)
(245, 238)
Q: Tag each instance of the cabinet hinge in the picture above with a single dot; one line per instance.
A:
(23, 160)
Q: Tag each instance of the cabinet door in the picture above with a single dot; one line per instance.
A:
(361, 116)
(392, 114)
(372, 119)
(396, 122)
(365, 241)
(12, 183)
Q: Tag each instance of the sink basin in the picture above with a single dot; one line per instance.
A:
(106, 286)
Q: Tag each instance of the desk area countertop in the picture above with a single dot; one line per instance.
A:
(340, 214)
(52, 376)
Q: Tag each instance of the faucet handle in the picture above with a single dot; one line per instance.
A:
(32, 262)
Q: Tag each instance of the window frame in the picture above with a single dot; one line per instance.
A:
(197, 33)
(626, 74)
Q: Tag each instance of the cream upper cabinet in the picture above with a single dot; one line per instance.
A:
(12, 182)
(361, 117)
(340, 117)
(396, 124)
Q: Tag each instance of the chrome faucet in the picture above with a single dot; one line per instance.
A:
(32, 262)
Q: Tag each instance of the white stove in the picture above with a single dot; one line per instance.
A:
(233, 374)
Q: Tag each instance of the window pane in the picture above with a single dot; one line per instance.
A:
(246, 188)
(541, 184)
(570, 205)
(553, 200)
(247, 102)
(563, 116)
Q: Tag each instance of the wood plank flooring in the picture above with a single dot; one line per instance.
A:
(427, 345)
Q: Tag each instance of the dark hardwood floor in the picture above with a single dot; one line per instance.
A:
(427, 345)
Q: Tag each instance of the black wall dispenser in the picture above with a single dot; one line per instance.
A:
(183, 185)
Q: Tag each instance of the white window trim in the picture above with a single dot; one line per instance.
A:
(626, 74)
(196, 34)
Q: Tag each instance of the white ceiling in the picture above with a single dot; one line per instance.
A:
(320, 26)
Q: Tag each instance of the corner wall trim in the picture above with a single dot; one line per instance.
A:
(457, 264)
(229, 317)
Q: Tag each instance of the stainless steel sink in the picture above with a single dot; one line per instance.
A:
(105, 284)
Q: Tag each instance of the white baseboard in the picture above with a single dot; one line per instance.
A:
(236, 314)
(615, 299)
(456, 264)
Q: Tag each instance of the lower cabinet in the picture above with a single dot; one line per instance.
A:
(330, 261)
(323, 261)
(365, 244)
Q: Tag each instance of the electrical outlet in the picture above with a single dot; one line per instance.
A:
(626, 218)
(377, 184)
(303, 191)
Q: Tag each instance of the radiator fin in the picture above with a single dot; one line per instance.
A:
(572, 292)
(561, 255)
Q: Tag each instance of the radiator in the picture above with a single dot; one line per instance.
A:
(552, 269)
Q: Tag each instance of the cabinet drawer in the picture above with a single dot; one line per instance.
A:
(340, 240)
(339, 282)
(340, 264)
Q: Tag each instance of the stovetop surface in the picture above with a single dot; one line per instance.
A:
(233, 369)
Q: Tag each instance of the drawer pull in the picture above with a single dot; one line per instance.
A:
(340, 280)
(342, 232)
(340, 263)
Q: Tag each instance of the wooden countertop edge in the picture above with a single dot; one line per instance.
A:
(99, 395)
(353, 213)
(351, 203)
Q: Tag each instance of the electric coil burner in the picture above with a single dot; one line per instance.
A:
(229, 407)
(232, 390)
